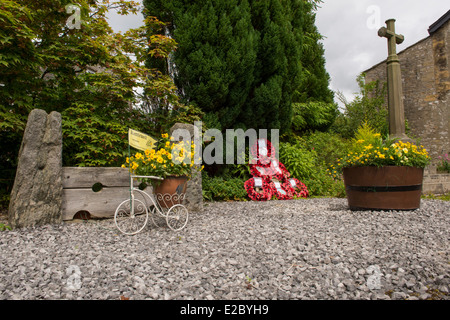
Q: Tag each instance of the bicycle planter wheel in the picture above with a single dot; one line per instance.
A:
(177, 217)
(131, 221)
(158, 217)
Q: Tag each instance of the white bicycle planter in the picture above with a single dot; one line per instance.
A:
(132, 214)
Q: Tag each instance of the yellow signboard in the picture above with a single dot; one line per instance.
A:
(140, 140)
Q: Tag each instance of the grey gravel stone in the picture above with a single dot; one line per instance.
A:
(295, 249)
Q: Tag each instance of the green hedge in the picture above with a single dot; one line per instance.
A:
(223, 188)
(306, 165)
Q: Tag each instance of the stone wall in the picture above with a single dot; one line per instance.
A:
(435, 183)
(426, 87)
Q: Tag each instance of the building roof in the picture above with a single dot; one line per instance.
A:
(439, 23)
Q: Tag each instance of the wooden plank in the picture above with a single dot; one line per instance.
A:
(100, 204)
(86, 177)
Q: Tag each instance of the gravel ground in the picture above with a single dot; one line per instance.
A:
(295, 249)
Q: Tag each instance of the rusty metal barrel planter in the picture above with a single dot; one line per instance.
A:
(383, 188)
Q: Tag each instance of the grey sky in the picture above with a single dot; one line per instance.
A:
(352, 44)
(350, 29)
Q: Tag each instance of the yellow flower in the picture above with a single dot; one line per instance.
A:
(165, 135)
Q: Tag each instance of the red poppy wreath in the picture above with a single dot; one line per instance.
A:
(296, 187)
(279, 170)
(260, 171)
(263, 195)
(279, 191)
(262, 151)
(274, 170)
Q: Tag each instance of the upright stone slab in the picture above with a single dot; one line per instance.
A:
(36, 197)
(194, 194)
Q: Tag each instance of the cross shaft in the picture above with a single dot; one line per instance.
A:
(395, 102)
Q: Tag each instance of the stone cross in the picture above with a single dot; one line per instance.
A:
(394, 80)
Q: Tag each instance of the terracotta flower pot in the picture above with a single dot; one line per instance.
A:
(171, 191)
(384, 188)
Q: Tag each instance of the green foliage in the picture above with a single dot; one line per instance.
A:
(4, 227)
(329, 146)
(322, 184)
(315, 80)
(299, 161)
(223, 188)
(305, 165)
(443, 197)
(368, 106)
(90, 139)
(87, 74)
(364, 136)
(182, 114)
(313, 116)
(239, 61)
(444, 163)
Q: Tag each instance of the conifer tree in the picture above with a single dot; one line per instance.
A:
(315, 79)
(238, 60)
(313, 102)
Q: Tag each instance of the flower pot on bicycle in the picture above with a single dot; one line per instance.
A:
(171, 191)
